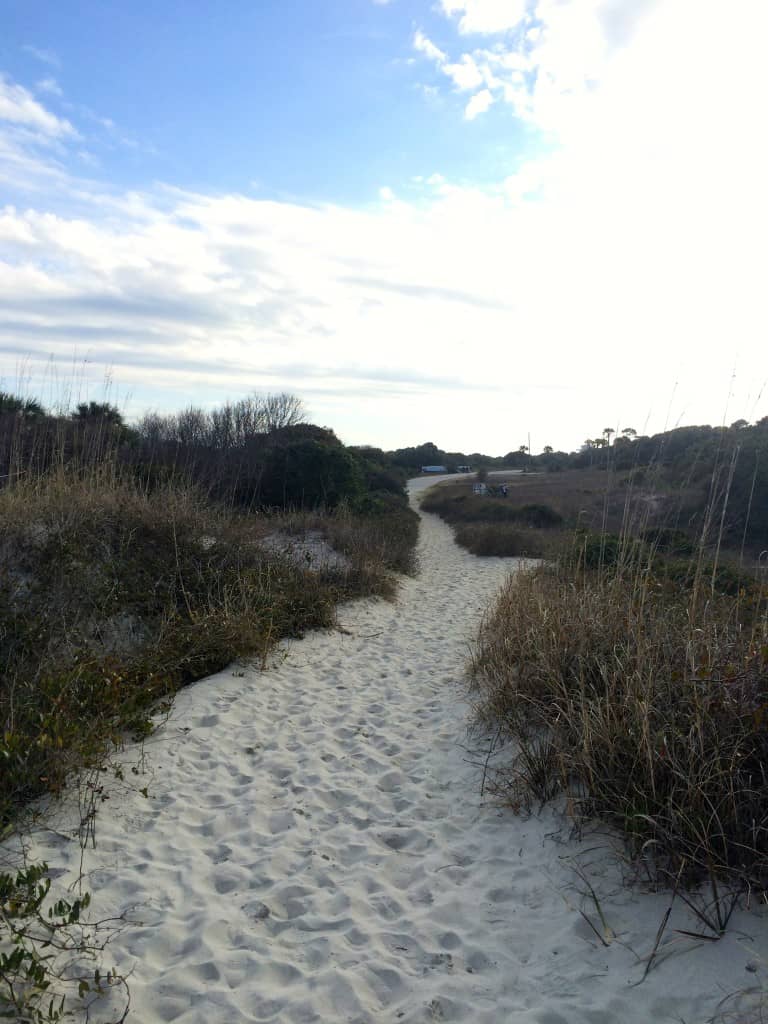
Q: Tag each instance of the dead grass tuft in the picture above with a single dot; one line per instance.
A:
(644, 700)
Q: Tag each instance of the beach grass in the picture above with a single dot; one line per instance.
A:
(633, 680)
(490, 525)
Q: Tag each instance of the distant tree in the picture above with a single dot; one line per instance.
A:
(548, 449)
(739, 424)
(607, 432)
(98, 411)
(283, 410)
(29, 408)
(629, 432)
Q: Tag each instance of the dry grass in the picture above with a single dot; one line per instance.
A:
(111, 598)
(375, 544)
(504, 540)
(490, 525)
(591, 499)
(645, 700)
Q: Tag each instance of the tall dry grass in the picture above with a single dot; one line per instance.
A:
(490, 525)
(637, 686)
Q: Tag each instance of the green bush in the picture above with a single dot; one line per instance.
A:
(502, 540)
(309, 474)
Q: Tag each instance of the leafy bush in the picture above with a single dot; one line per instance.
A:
(309, 474)
(43, 944)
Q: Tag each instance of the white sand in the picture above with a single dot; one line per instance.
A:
(310, 550)
(314, 849)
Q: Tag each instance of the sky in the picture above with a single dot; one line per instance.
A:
(459, 221)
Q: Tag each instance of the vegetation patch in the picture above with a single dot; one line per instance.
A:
(491, 525)
(134, 561)
(643, 701)
(112, 599)
(504, 540)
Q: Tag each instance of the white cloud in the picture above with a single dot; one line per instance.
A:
(486, 16)
(548, 56)
(543, 314)
(19, 107)
(424, 45)
(49, 85)
(577, 291)
(479, 103)
(465, 74)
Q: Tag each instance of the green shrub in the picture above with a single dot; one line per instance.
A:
(309, 474)
(668, 540)
(500, 540)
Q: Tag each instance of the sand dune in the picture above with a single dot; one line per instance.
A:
(314, 849)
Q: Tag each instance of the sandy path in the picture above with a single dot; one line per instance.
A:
(314, 849)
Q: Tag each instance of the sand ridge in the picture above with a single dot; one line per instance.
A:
(314, 849)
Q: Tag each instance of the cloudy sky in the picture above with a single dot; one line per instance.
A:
(452, 220)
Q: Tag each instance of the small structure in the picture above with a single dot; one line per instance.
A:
(463, 469)
(433, 469)
(479, 489)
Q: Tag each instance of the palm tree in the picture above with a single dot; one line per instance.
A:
(98, 411)
(30, 408)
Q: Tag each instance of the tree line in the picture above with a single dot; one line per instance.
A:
(256, 453)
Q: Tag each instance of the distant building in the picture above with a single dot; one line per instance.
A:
(479, 489)
(433, 469)
(463, 469)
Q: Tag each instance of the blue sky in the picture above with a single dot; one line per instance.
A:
(460, 220)
(317, 101)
